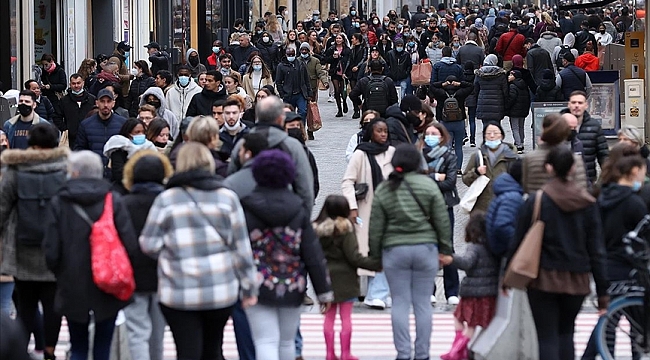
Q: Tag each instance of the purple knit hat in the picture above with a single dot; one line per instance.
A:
(274, 169)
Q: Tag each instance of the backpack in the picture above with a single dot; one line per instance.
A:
(376, 96)
(560, 55)
(34, 193)
(451, 110)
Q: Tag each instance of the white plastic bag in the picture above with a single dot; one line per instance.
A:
(475, 190)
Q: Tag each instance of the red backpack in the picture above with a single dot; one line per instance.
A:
(110, 264)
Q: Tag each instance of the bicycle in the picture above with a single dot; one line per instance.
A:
(629, 314)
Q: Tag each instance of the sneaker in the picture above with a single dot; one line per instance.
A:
(433, 300)
(473, 144)
(307, 301)
(453, 300)
(520, 149)
(389, 302)
(459, 172)
(465, 140)
(330, 99)
(375, 304)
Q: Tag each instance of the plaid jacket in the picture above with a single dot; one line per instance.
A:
(204, 253)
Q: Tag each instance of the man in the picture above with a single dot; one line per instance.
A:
(572, 78)
(447, 66)
(336, 29)
(293, 82)
(321, 32)
(201, 103)
(119, 56)
(590, 134)
(470, 51)
(73, 108)
(418, 16)
(146, 113)
(315, 16)
(431, 30)
(159, 59)
(509, 45)
(583, 37)
(402, 119)
(233, 128)
(194, 63)
(44, 107)
(282, 15)
(217, 111)
(315, 72)
(566, 23)
(399, 65)
(242, 182)
(576, 144)
(368, 35)
(241, 52)
(180, 95)
(331, 19)
(378, 91)
(270, 121)
(97, 129)
(537, 59)
(17, 128)
(225, 65)
(163, 80)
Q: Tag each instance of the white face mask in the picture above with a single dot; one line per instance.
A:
(231, 128)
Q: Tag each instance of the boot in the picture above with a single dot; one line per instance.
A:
(338, 105)
(310, 135)
(47, 356)
(458, 348)
(345, 105)
(329, 345)
(356, 114)
(448, 356)
(346, 339)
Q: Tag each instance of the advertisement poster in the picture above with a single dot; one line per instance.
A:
(42, 28)
(541, 109)
(604, 106)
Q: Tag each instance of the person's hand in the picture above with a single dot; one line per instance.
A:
(353, 215)
(441, 176)
(335, 55)
(47, 86)
(456, 83)
(445, 259)
(355, 69)
(482, 170)
(324, 307)
(311, 99)
(446, 83)
(248, 302)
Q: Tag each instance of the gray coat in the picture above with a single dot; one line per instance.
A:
(242, 182)
(25, 263)
(482, 271)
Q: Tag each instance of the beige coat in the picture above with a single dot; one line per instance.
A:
(358, 171)
(247, 84)
(534, 174)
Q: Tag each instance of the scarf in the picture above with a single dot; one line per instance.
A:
(568, 195)
(198, 178)
(493, 156)
(108, 76)
(52, 68)
(372, 149)
(435, 157)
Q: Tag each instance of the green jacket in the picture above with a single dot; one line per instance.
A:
(504, 160)
(315, 72)
(396, 219)
(341, 250)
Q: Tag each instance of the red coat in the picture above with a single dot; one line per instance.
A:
(516, 47)
(372, 38)
(588, 62)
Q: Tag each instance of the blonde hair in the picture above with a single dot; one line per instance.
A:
(203, 129)
(272, 24)
(195, 156)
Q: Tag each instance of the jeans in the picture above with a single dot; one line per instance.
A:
(198, 335)
(450, 272)
(298, 342)
(471, 114)
(80, 343)
(146, 326)
(456, 130)
(274, 331)
(300, 103)
(378, 287)
(6, 290)
(411, 271)
(27, 296)
(517, 126)
(243, 337)
(554, 316)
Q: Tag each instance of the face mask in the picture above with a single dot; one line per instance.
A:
(573, 135)
(406, 34)
(314, 17)
(265, 39)
(492, 144)
(139, 139)
(432, 140)
(430, 14)
(183, 80)
(24, 109)
(224, 71)
(376, 22)
(126, 55)
(134, 72)
(259, 31)
(602, 31)
(286, 12)
(291, 58)
(353, 12)
(231, 128)
(399, 49)
(386, 23)
(154, 103)
(456, 44)
(304, 56)
(636, 186)
(443, 25)
(356, 25)
(194, 60)
(215, 49)
(296, 134)
(81, 91)
(257, 67)
(411, 44)
(159, 144)
(400, 26)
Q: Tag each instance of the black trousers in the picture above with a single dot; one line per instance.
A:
(28, 294)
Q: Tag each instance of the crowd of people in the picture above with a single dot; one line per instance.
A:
(204, 181)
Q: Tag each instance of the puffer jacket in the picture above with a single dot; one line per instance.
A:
(94, 133)
(491, 85)
(482, 270)
(138, 86)
(445, 67)
(269, 54)
(163, 111)
(501, 217)
(594, 144)
(518, 99)
(548, 91)
(534, 174)
(502, 164)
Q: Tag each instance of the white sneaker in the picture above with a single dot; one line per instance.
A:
(433, 299)
(389, 302)
(375, 304)
(453, 300)
(330, 99)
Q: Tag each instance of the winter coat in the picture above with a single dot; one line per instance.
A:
(548, 91)
(537, 60)
(470, 52)
(67, 249)
(44, 109)
(123, 75)
(69, 114)
(358, 54)
(178, 98)
(341, 251)
(163, 112)
(481, 269)
(340, 64)
(588, 62)
(397, 123)
(315, 72)
(548, 41)
(491, 84)
(58, 82)
(94, 133)
(446, 166)
(288, 73)
(573, 78)
(434, 53)
(242, 182)
(24, 262)
(241, 54)
(9, 127)
(594, 144)
(361, 89)
(399, 65)
(534, 174)
(515, 47)
(228, 141)
(199, 68)
(518, 99)
(502, 164)
(138, 86)
(269, 54)
(501, 216)
(441, 94)
(268, 208)
(582, 38)
(247, 84)
(472, 98)
(201, 103)
(447, 66)
(159, 61)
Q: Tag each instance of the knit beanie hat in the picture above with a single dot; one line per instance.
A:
(274, 169)
(518, 61)
(555, 129)
(491, 60)
(305, 45)
(410, 102)
(478, 23)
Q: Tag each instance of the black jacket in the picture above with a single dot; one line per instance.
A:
(44, 109)
(594, 144)
(159, 61)
(471, 100)
(269, 54)
(518, 99)
(69, 114)
(290, 73)
(397, 123)
(582, 38)
(460, 93)
(470, 52)
(361, 89)
(240, 54)
(449, 168)
(201, 103)
(358, 54)
(548, 91)
(67, 249)
(538, 59)
(399, 65)
(58, 82)
(337, 64)
(491, 85)
(573, 78)
(138, 87)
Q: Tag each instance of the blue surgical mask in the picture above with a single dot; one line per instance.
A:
(456, 44)
(304, 56)
(126, 55)
(215, 49)
(432, 140)
(139, 139)
(353, 12)
(257, 67)
(77, 92)
(411, 43)
(492, 144)
(183, 80)
(406, 34)
(291, 58)
(399, 48)
(636, 186)
(356, 25)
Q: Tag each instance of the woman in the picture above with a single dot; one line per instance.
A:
(249, 115)
(290, 42)
(286, 249)
(356, 139)
(373, 54)
(143, 81)
(409, 232)
(158, 134)
(491, 85)
(87, 70)
(572, 250)
(497, 157)
(53, 79)
(124, 145)
(543, 26)
(268, 50)
(518, 107)
(257, 76)
(434, 49)
(455, 46)
(471, 100)
(630, 134)
(144, 177)
(316, 45)
(442, 168)
(196, 207)
(274, 29)
(369, 165)
(231, 82)
(295, 127)
(338, 57)
(358, 54)
(385, 44)
(460, 33)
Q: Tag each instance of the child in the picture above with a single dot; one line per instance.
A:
(478, 290)
(339, 242)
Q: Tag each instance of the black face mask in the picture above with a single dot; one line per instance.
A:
(296, 133)
(24, 109)
(412, 119)
(159, 144)
(194, 60)
(154, 103)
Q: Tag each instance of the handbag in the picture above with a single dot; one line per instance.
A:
(524, 266)
(421, 73)
(314, 121)
(475, 190)
(361, 189)
(110, 264)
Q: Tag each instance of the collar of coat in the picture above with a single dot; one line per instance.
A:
(20, 156)
(330, 227)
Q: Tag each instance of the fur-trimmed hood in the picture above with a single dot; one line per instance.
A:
(330, 227)
(31, 157)
(128, 173)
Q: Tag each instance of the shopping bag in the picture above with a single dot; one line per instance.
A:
(421, 74)
(475, 190)
(511, 333)
(314, 122)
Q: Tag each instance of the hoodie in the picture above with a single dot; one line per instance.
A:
(163, 112)
(445, 67)
(548, 91)
(501, 217)
(199, 68)
(588, 62)
(201, 103)
(397, 123)
(549, 41)
(568, 42)
(179, 98)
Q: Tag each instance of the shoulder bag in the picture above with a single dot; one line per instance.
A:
(424, 210)
(475, 190)
(361, 189)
